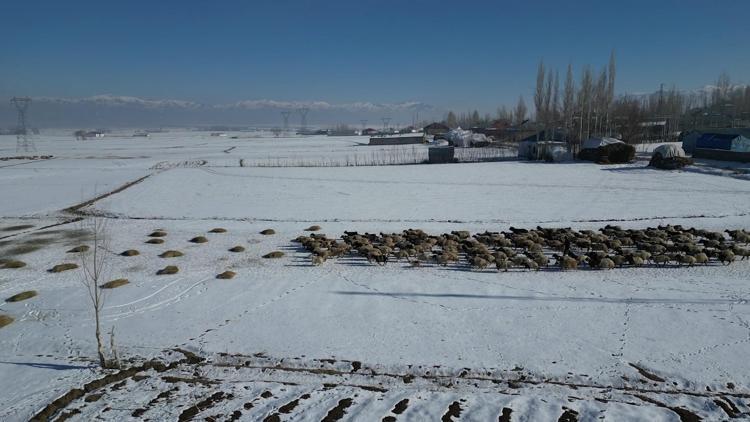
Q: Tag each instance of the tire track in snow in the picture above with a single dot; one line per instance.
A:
(158, 305)
(148, 296)
(201, 337)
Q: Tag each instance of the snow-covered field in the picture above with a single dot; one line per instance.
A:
(627, 344)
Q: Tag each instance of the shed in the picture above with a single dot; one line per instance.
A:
(723, 141)
(723, 146)
(441, 154)
(411, 138)
(690, 138)
(543, 150)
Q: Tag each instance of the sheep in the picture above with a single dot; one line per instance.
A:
(502, 264)
(401, 254)
(525, 262)
(661, 245)
(540, 259)
(566, 262)
(688, 260)
(743, 252)
(443, 259)
(317, 260)
(606, 264)
(531, 265)
(701, 258)
(619, 260)
(498, 255)
(661, 259)
(635, 260)
(644, 255)
(726, 256)
(479, 263)
(739, 236)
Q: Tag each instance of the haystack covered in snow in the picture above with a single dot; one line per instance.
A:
(669, 157)
(465, 138)
(606, 151)
(594, 143)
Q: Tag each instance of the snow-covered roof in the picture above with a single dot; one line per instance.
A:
(592, 143)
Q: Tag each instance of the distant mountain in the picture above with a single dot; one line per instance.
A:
(125, 111)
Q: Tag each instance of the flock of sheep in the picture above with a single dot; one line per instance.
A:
(533, 249)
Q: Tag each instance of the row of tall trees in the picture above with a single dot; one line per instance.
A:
(578, 110)
(666, 112)
(574, 109)
(517, 115)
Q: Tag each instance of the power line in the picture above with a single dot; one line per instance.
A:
(285, 114)
(385, 120)
(303, 113)
(24, 141)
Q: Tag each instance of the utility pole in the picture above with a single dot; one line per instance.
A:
(385, 120)
(285, 115)
(24, 142)
(303, 113)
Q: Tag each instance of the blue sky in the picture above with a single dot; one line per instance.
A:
(462, 55)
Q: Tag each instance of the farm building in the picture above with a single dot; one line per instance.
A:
(531, 149)
(405, 139)
(441, 155)
(723, 146)
(690, 137)
(436, 129)
(83, 135)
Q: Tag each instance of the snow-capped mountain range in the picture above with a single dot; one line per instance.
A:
(112, 110)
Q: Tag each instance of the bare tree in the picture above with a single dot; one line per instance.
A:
(450, 120)
(569, 98)
(94, 269)
(539, 93)
(584, 101)
(548, 102)
(600, 100)
(723, 86)
(555, 103)
(520, 112)
(610, 88)
(504, 114)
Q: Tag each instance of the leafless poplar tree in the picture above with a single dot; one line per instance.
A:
(569, 98)
(520, 112)
(555, 103)
(539, 93)
(600, 103)
(94, 269)
(611, 71)
(584, 102)
(548, 102)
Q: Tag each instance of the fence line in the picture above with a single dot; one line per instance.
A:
(384, 157)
